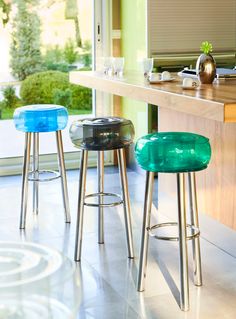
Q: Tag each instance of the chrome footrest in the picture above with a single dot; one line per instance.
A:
(195, 232)
(43, 175)
(100, 197)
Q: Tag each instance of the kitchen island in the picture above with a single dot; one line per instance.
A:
(209, 110)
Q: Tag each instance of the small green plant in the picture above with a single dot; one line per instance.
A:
(206, 47)
(10, 98)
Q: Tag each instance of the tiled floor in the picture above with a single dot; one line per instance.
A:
(107, 277)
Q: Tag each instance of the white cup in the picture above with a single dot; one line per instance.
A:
(154, 77)
(165, 75)
(189, 82)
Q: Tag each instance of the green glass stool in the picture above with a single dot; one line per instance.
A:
(180, 153)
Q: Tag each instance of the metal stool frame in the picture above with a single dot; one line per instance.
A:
(182, 238)
(35, 172)
(81, 200)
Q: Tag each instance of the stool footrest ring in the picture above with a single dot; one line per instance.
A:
(195, 232)
(43, 175)
(100, 196)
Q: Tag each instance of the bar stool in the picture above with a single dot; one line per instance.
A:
(180, 153)
(102, 134)
(35, 119)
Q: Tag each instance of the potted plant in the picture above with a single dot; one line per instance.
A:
(206, 65)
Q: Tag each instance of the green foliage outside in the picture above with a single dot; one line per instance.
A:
(53, 59)
(25, 47)
(10, 98)
(5, 9)
(86, 56)
(61, 97)
(9, 103)
(43, 88)
(70, 53)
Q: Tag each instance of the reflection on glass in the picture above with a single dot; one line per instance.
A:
(36, 282)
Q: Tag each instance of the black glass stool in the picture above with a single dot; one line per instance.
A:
(102, 134)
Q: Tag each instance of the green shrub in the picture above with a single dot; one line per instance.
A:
(70, 53)
(85, 68)
(53, 54)
(86, 55)
(2, 104)
(40, 88)
(81, 97)
(56, 66)
(10, 98)
(61, 97)
(53, 59)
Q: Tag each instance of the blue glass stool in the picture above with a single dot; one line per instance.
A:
(102, 134)
(180, 153)
(35, 119)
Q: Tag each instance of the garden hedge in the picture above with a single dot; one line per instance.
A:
(39, 88)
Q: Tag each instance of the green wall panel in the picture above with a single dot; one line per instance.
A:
(133, 43)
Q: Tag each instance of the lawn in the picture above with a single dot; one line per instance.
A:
(7, 113)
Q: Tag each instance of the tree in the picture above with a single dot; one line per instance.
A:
(5, 8)
(25, 47)
(71, 12)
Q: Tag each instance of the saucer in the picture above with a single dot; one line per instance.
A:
(160, 81)
(189, 87)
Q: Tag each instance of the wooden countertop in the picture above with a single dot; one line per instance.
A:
(215, 102)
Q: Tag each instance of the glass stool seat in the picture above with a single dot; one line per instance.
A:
(40, 118)
(173, 152)
(100, 134)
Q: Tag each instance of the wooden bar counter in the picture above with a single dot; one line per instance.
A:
(209, 110)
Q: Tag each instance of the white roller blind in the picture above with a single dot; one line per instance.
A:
(177, 26)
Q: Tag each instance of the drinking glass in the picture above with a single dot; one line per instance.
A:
(118, 66)
(108, 65)
(147, 66)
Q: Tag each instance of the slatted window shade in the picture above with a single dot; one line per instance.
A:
(177, 26)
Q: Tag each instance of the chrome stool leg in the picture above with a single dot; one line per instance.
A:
(126, 201)
(145, 227)
(24, 189)
(100, 173)
(183, 251)
(61, 164)
(80, 212)
(195, 223)
(35, 168)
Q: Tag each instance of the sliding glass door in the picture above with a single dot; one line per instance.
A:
(69, 35)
